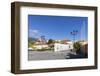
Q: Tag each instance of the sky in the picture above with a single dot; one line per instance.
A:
(57, 27)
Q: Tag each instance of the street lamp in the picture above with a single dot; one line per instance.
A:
(74, 33)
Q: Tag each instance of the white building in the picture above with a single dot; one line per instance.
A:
(59, 46)
(63, 47)
(40, 46)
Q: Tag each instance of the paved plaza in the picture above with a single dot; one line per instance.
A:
(50, 55)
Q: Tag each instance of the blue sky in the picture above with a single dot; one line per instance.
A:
(57, 27)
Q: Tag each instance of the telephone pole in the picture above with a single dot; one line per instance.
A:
(74, 33)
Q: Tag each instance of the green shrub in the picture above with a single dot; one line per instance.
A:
(77, 47)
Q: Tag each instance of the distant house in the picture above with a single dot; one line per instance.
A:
(40, 46)
(57, 45)
(41, 41)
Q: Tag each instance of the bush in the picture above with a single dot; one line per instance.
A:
(77, 47)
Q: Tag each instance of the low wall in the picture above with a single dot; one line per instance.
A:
(84, 49)
(62, 47)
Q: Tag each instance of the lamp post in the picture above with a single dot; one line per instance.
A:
(74, 33)
(43, 39)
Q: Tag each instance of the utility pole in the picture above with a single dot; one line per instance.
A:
(74, 33)
(43, 39)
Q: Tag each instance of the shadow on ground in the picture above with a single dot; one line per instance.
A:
(76, 56)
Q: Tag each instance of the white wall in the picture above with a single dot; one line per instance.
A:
(62, 47)
(40, 46)
(5, 27)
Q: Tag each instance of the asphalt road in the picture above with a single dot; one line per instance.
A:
(47, 55)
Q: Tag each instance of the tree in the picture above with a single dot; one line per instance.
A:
(77, 47)
(50, 41)
(31, 44)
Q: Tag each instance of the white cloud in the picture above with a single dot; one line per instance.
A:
(33, 33)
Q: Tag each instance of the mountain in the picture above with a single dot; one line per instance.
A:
(32, 39)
